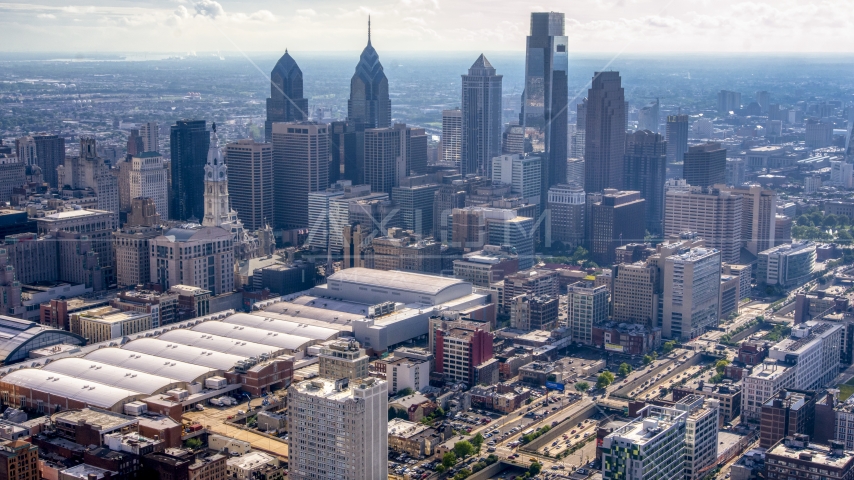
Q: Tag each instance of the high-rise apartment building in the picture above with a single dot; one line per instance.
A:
(25, 149)
(89, 171)
(369, 105)
(13, 174)
(728, 102)
(343, 359)
(635, 293)
(148, 178)
(523, 172)
(588, 307)
(691, 293)
(452, 137)
(677, 144)
(481, 118)
(701, 434)
(250, 181)
(545, 98)
(338, 429)
(758, 217)
(617, 219)
(648, 117)
(50, 154)
(652, 445)
(646, 171)
(133, 254)
(715, 215)
(189, 144)
(150, 134)
(286, 102)
(605, 140)
(568, 209)
(200, 257)
(705, 165)
(300, 156)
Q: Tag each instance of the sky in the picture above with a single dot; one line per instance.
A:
(629, 26)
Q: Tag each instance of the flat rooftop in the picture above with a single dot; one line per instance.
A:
(106, 420)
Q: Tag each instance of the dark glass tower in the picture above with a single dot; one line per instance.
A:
(286, 102)
(645, 171)
(605, 133)
(481, 112)
(544, 101)
(50, 154)
(190, 141)
(369, 105)
(677, 144)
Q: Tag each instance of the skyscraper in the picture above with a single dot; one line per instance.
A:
(648, 117)
(714, 215)
(150, 133)
(645, 171)
(614, 221)
(135, 144)
(728, 101)
(588, 307)
(452, 133)
(286, 102)
(705, 165)
(382, 155)
(677, 144)
(605, 140)
(413, 150)
(147, 178)
(344, 158)
(369, 105)
(481, 115)
(250, 181)
(189, 143)
(50, 153)
(25, 148)
(544, 100)
(300, 156)
(763, 98)
(692, 280)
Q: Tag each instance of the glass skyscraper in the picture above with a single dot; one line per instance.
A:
(286, 102)
(369, 105)
(189, 141)
(481, 115)
(544, 101)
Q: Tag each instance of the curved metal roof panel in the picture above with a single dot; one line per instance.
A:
(154, 365)
(219, 343)
(91, 393)
(118, 377)
(257, 335)
(282, 326)
(184, 353)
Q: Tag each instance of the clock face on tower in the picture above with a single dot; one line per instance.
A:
(210, 175)
(221, 174)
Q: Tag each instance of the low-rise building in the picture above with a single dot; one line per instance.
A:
(415, 439)
(105, 323)
(252, 465)
(628, 338)
(764, 381)
(796, 458)
(727, 395)
(503, 397)
(788, 413)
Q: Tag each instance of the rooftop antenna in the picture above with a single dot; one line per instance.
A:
(369, 29)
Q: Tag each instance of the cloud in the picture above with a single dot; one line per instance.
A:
(306, 12)
(46, 16)
(209, 8)
(182, 12)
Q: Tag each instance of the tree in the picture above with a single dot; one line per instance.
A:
(406, 391)
(551, 378)
(462, 474)
(441, 468)
(625, 369)
(463, 449)
(582, 386)
(668, 346)
(449, 459)
(535, 468)
(844, 237)
(193, 443)
(605, 379)
(397, 413)
(655, 355)
(720, 366)
(817, 218)
(647, 359)
(477, 441)
(804, 221)
(829, 221)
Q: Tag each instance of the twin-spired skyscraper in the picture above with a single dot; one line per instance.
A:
(544, 101)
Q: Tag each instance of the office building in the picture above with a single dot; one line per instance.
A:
(763, 98)
(635, 293)
(530, 312)
(795, 457)
(764, 381)
(646, 171)
(384, 166)
(714, 215)
(201, 257)
(701, 434)
(705, 165)
(788, 412)
(329, 213)
(49, 154)
(402, 250)
(148, 178)
(13, 174)
(728, 102)
(515, 231)
(150, 134)
(819, 134)
(133, 254)
(459, 351)
(98, 226)
(369, 105)
(414, 197)
(25, 149)
(485, 267)
(652, 445)
(300, 156)
(786, 265)
(568, 209)
(735, 172)
(346, 161)
(677, 143)
(648, 117)
(250, 181)
(587, 307)
(813, 348)
(106, 323)
(343, 359)
(413, 150)
(513, 139)
(481, 118)
(356, 411)
(88, 171)
(605, 130)
(618, 218)
(546, 95)
(523, 172)
(452, 137)
(575, 171)
(135, 145)
(691, 293)
(189, 144)
(759, 210)
(286, 103)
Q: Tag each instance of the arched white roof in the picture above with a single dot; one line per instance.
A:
(291, 343)
(91, 393)
(155, 365)
(219, 343)
(118, 377)
(282, 326)
(184, 353)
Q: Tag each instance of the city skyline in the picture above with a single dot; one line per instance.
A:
(427, 25)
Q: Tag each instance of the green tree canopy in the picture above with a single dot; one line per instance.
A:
(463, 449)
(449, 459)
(604, 379)
(582, 386)
(720, 366)
(625, 369)
(647, 359)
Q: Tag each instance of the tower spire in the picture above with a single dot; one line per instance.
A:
(369, 29)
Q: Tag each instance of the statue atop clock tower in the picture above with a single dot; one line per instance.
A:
(217, 206)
